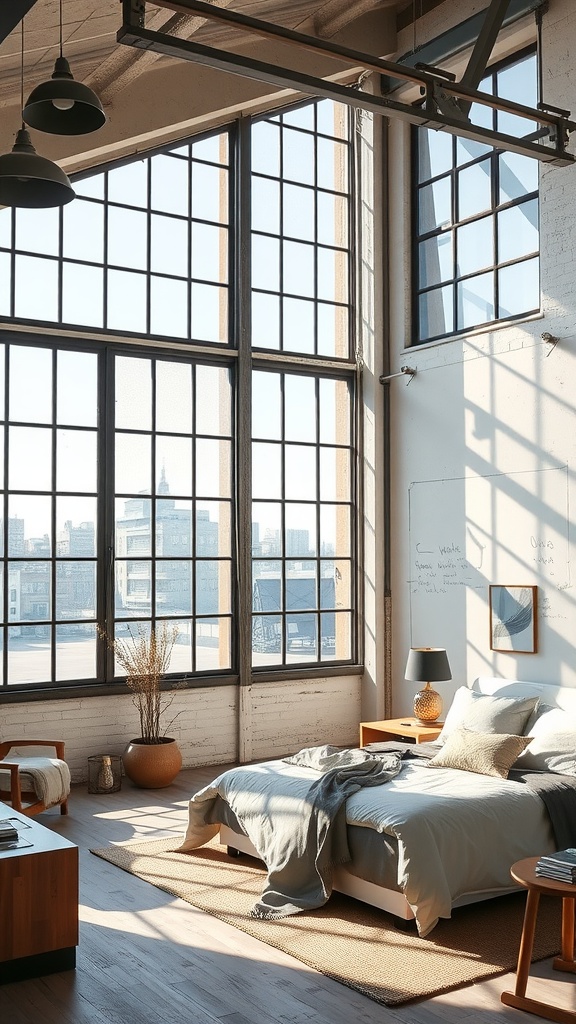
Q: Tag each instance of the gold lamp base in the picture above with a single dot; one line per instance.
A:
(427, 705)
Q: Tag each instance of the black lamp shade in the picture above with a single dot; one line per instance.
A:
(427, 665)
(32, 181)
(62, 106)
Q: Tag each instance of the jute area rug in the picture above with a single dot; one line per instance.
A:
(349, 941)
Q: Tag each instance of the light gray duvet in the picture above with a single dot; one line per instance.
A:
(457, 832)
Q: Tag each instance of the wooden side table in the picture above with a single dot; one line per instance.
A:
(524, 872)
(392, 728)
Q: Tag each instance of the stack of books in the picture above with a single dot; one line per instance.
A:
(8, 832)
(560, 865)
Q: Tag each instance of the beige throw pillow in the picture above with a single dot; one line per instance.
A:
(479, 752)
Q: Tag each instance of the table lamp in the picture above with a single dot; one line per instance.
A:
(427, 665)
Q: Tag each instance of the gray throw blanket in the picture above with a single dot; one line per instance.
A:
(299, 829)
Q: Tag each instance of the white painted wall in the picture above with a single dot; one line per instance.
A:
(497, 405)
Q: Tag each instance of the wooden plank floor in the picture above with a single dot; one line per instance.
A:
(145, 957)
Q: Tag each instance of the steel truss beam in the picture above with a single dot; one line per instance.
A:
(438, 108)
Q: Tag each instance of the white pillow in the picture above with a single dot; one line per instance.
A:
(553, 744)
(483, 712)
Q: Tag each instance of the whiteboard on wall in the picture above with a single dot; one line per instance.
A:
(469, 532)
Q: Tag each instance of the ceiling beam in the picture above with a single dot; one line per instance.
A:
(11, 14)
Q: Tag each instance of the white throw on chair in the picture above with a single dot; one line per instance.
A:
(32, 784)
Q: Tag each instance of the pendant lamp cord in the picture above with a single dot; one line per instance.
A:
(60, 27)
(22, 73)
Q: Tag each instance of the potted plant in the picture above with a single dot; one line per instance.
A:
(153, 759)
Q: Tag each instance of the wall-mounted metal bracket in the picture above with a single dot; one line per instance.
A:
(551, 340)
(403, 371)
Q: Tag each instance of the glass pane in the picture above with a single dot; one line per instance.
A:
(301, 117)
(332, 118)
(298, 212)
(83, 232)
(266, 639)
(76, 526)
(209, 313)
(266, 470)
(265, 263)
(209, 253)
(210, 193)
(435, 259)
(168, 307)
(213, 469)
(474, 189)
(266, 528)
(300, 470)
(169, 183)
(265, 205)
(181, 660)
(92, 186)
(35, 587)
(173, 587)
(29, 525)
(214, 148)
(265, 320)
(334, 474)
(300, 413)
(173, 397)
(133, 393)
(434, 208)
(75, 652)
(336, 584)
(213, 529)
(133, 464)
(333, 331)
(519, 288)
(213, 588)
(301, 638)
(518, 82)
(29, 652)
(133, 588)
(168, 245)
(36, 296)
(298, 269)
(38, 230)
(335, 530)
(129, 184)
(518, 231)
(5, 283)
(298, 325)
(476, 300)
(174, 465)
(127, 302)
(213, 400)
(76, 460)
(82, 295)
(332, 165)
(30, 384)
(334, 411)
(298, 157)
(336, 629)
(332, 219)
(75, 590)
(436, 313)
(267, 590)
(213, 645)
(332, 274)
(265, 138)
(475, 246)
(173, 527)
(6, 227)
(127, 238)
(518, 175)
(300, 530)
(30, 466)
(133, 526)
(434, 153)
(467, 150)
(300, 586)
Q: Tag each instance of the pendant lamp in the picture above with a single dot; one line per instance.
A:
(63, 106)
(27, 179)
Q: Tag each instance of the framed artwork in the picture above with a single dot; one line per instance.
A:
(513, 619)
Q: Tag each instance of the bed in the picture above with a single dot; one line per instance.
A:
(413, 842)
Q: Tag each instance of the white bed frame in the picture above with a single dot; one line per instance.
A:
(388, 899)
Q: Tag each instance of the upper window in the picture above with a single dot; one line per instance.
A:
(476, 218)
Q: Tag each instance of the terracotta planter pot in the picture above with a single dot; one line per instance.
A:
(152, 765)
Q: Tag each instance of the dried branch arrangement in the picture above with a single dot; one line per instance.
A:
(145, 657)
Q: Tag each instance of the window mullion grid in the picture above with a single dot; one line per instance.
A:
(153, 500)
(149, 248)
(5, 581)
(194, 544)
(106, 513)
(53, 482)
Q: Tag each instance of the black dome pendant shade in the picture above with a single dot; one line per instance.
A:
(62, 106)
(32, 181)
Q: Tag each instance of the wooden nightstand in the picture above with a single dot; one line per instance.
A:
(407, 728)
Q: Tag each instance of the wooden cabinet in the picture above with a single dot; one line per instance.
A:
(395, 728)
(39, 901)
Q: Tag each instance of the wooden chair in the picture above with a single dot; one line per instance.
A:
(27, 800)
